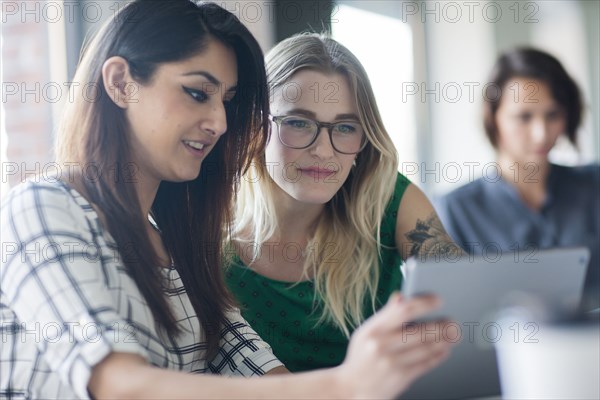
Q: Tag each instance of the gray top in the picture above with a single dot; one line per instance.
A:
(486, 216)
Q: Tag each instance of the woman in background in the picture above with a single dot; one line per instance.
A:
(536, 204)
(323, 219)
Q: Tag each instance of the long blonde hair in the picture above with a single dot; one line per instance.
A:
(347, 282)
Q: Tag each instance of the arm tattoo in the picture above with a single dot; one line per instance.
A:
(430, 239)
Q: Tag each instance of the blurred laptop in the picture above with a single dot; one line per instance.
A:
(473, 290)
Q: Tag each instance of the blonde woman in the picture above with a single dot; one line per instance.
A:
(323, 219)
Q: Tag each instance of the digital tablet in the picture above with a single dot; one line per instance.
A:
(473, 290)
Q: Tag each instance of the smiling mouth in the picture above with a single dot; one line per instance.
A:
(317, 173)
(194, 145)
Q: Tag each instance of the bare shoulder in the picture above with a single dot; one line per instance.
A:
(419, 231)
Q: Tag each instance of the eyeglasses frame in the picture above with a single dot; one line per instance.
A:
(329, 125)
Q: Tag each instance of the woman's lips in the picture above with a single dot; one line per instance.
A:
(317, 173)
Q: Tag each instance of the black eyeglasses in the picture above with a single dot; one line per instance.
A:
(347, 137)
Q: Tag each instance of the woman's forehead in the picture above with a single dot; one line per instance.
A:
(314, 89)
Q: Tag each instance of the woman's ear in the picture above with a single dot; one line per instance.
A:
(116, 77)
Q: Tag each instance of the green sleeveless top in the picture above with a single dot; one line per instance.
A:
(284, 315)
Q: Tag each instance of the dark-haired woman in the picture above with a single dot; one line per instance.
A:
(536, 204)
(104, 293)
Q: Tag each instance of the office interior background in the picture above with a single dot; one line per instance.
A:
(428, 62)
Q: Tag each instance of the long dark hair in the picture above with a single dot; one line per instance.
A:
(193, 216)
(536, 64)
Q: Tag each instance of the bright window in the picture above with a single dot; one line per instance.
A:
(389, 64)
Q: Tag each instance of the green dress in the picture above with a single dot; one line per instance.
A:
(283, 314)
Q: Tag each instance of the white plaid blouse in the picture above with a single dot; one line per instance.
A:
(66, 302)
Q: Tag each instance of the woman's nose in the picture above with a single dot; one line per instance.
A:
(322, 146)
(215, 123)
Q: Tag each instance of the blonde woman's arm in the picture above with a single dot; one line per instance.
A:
(419, 231)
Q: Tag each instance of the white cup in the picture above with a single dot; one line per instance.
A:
(549, 360)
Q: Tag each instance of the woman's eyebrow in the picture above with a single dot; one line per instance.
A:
(347, 116)
(310, 114)
(211, 78)
(302, 111)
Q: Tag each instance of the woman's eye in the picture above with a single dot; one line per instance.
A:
(554, 115)
(345, 128)
(524, 117)
(198, 95)
(296, 123)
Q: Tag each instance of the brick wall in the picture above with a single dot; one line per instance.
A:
(27, 114)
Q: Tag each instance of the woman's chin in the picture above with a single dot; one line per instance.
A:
(313, 198)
